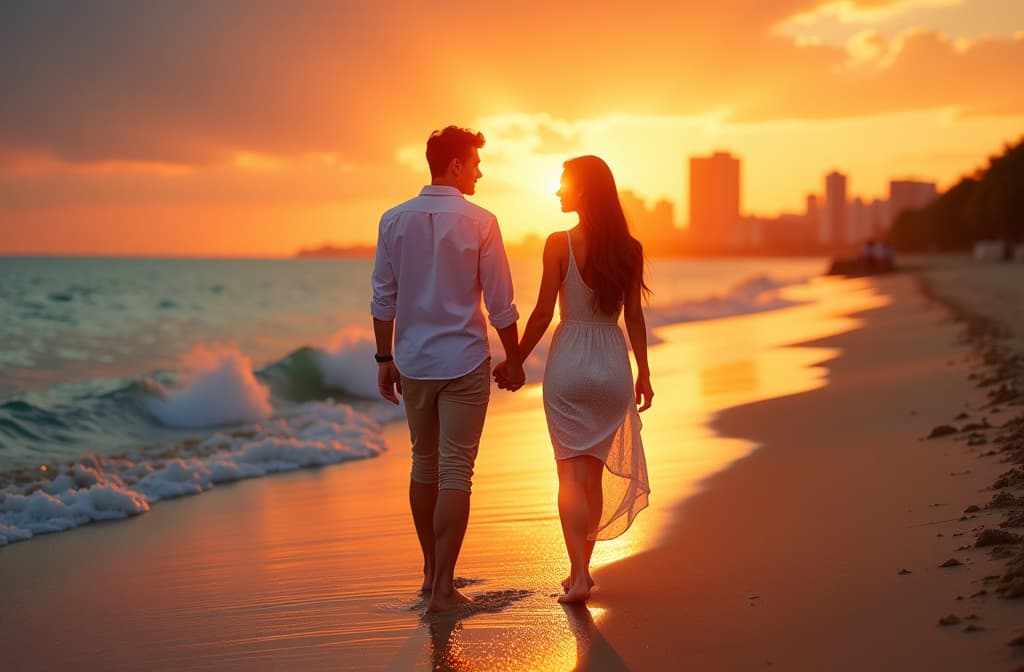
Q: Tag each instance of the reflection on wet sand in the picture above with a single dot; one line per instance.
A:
(446, 646)
(450, 653)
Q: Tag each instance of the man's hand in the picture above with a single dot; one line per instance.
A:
(509, 375)
(389, 381)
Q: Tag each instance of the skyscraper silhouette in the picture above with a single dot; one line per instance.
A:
(715, 199)
(833, 229)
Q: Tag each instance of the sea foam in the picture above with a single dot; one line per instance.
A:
(107, 488)
(218, 388)
(753, 295)
(347, 363)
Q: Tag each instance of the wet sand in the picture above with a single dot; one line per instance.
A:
(790, 558)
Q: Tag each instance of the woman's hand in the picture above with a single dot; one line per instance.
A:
(644, 392)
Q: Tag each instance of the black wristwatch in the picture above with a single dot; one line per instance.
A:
(384, 358)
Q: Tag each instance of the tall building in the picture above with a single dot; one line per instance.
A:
(908, 195)
(715, 199)
(833, 217)
(654, 227)
(811, 211)
(859, 226)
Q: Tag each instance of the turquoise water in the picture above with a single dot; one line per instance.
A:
(127, 381)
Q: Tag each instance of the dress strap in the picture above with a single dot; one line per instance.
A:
(572, 257)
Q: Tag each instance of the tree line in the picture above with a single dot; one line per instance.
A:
(988, 205)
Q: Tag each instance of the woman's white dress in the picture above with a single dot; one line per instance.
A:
(589, 402)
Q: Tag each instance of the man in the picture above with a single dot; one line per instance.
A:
(436, 255)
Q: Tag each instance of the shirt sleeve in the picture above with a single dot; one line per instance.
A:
(496, 279)
(385, 287)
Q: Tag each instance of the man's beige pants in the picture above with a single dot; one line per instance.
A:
(446, 418)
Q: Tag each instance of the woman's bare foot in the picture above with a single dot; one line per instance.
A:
(578, 592)
(442, 602)
(568, 580)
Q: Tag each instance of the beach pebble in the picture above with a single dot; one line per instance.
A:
(952, 562)
(1016, 520)
(1016, 641)
(971, 627)
(942, 430)
(904, 571)
(1013, 589)
(992, 537)
(1003, 395)
(951, 619)
(973, 508)
(1011, 478)
(1004, 500)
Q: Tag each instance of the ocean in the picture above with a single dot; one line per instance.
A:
(125, 382)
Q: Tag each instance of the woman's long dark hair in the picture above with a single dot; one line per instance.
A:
(615, 259)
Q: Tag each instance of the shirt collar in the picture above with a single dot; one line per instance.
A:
(440, 190)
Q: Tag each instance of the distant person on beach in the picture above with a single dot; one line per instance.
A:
(870, 255)
(876, 257)
(595, 270)
(437, 254)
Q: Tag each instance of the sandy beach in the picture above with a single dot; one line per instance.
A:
(798, 521)
(822, 549)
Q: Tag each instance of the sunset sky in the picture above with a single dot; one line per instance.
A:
(247, 127)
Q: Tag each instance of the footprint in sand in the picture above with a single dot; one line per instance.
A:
(489, 602)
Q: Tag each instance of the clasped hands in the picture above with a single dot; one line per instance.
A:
(509, 376)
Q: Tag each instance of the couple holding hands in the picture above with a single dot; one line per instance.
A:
(437, 255)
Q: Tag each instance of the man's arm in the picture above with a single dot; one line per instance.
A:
(382, 307)
(509, 373)
(496, 281)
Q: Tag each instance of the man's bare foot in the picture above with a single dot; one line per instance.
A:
(453, 600)
(428, 584)
(568, 580)
(578, 592)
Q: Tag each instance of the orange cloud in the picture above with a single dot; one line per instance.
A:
(251, 102)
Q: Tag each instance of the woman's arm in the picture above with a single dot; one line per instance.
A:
(636, 328)
(555, 249)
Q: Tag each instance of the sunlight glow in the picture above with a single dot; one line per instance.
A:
(258, 162)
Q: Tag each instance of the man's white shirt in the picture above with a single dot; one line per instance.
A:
(436, 255)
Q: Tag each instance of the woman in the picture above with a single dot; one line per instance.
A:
(595, 269)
